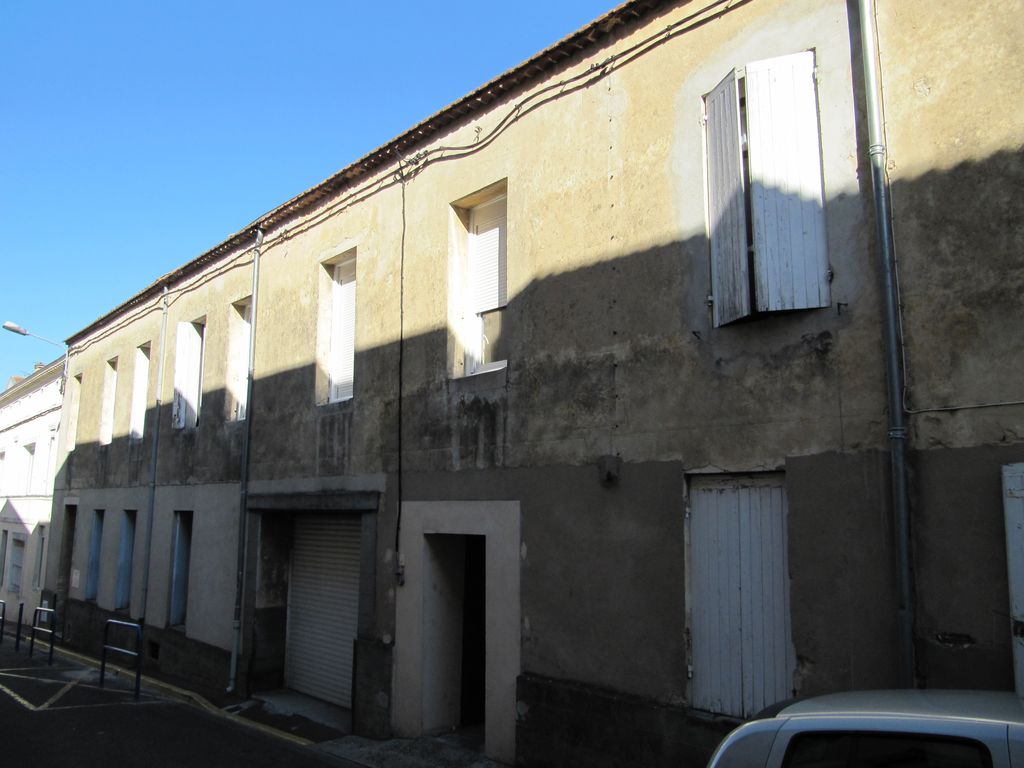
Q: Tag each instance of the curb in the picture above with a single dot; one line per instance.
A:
(188, 697)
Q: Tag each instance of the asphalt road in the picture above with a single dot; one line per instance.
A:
(52, 716)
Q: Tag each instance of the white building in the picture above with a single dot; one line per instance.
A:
(29, 417)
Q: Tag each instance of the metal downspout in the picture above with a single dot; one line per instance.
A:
(154, 455)
(893, 341)
(243, 481)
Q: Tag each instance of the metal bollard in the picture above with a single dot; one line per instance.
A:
(3, 618)
(17, 636)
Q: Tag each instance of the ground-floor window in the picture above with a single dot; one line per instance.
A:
(179, 571)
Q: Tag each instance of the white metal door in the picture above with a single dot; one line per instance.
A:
(323, 607)
(1013, 508)
(743, 657)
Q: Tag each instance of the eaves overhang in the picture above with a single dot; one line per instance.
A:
(500, 88)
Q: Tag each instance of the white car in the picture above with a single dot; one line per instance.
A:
(876, 729)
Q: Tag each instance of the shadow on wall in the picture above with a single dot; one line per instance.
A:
(622, 358)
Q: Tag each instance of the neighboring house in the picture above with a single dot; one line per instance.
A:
(569, 409)
(29, 418)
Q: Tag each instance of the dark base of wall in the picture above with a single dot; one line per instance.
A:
(167, 653)
(371, 694)
(562, 723)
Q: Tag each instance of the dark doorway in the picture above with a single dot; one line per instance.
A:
(473, 632)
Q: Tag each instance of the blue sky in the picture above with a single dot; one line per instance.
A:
(135, 136)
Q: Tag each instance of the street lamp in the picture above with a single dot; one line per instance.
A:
(15, 328)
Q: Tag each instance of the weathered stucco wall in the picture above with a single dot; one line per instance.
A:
(955, 146)
(611, 352)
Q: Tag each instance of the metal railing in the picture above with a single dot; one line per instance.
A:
(51, 620)
(137, 653)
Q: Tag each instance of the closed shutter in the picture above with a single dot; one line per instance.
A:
(743, 657)
(1013, 510)
(488, 283)
(240, 376)
(323, 607)
(343, 333)
(727, 219)
(787, 209)
(188, 373)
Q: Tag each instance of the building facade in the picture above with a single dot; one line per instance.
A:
(567, 412)
(29, 420)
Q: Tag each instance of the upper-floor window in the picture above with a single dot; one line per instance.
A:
(140, 392)
(479, 282)
(188, 373)
(107, 403)
(342, 356)
(75, 402)
(30, 468)
(765, 202)
(239, 337)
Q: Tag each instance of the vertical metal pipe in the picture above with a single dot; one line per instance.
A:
(17, 636)
(893, 341)
(243, 481)
(154, 455)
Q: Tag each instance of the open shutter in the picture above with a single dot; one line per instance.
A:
(787, 209)
(488, 284)
(730, 281)
(343, 336)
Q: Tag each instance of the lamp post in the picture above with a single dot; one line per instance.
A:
(15, 328)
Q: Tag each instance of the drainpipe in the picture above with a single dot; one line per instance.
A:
(153, 461)
(893, 341)
(243, 481)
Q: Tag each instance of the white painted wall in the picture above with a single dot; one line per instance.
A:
(29, 416)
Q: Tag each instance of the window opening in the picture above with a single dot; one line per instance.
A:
(125, 555)
(179, 573)
(92, 576)
(107, 404)
(17, 563)
(140, 391)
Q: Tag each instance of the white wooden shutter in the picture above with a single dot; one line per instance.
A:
(787, 209)
(343, 331)
(184, 365)
(1013, 510)
(727, 220)
(488, 285)
(140, 388)
(240, 364)
(323, 606)
(743, 656)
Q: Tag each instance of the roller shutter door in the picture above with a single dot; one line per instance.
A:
(323, 607)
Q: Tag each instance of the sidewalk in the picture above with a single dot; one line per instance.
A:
(305, 730)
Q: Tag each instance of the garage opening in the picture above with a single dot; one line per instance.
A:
(323, 606)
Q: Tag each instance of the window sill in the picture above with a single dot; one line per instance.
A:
(345, 402)
(488, 379)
